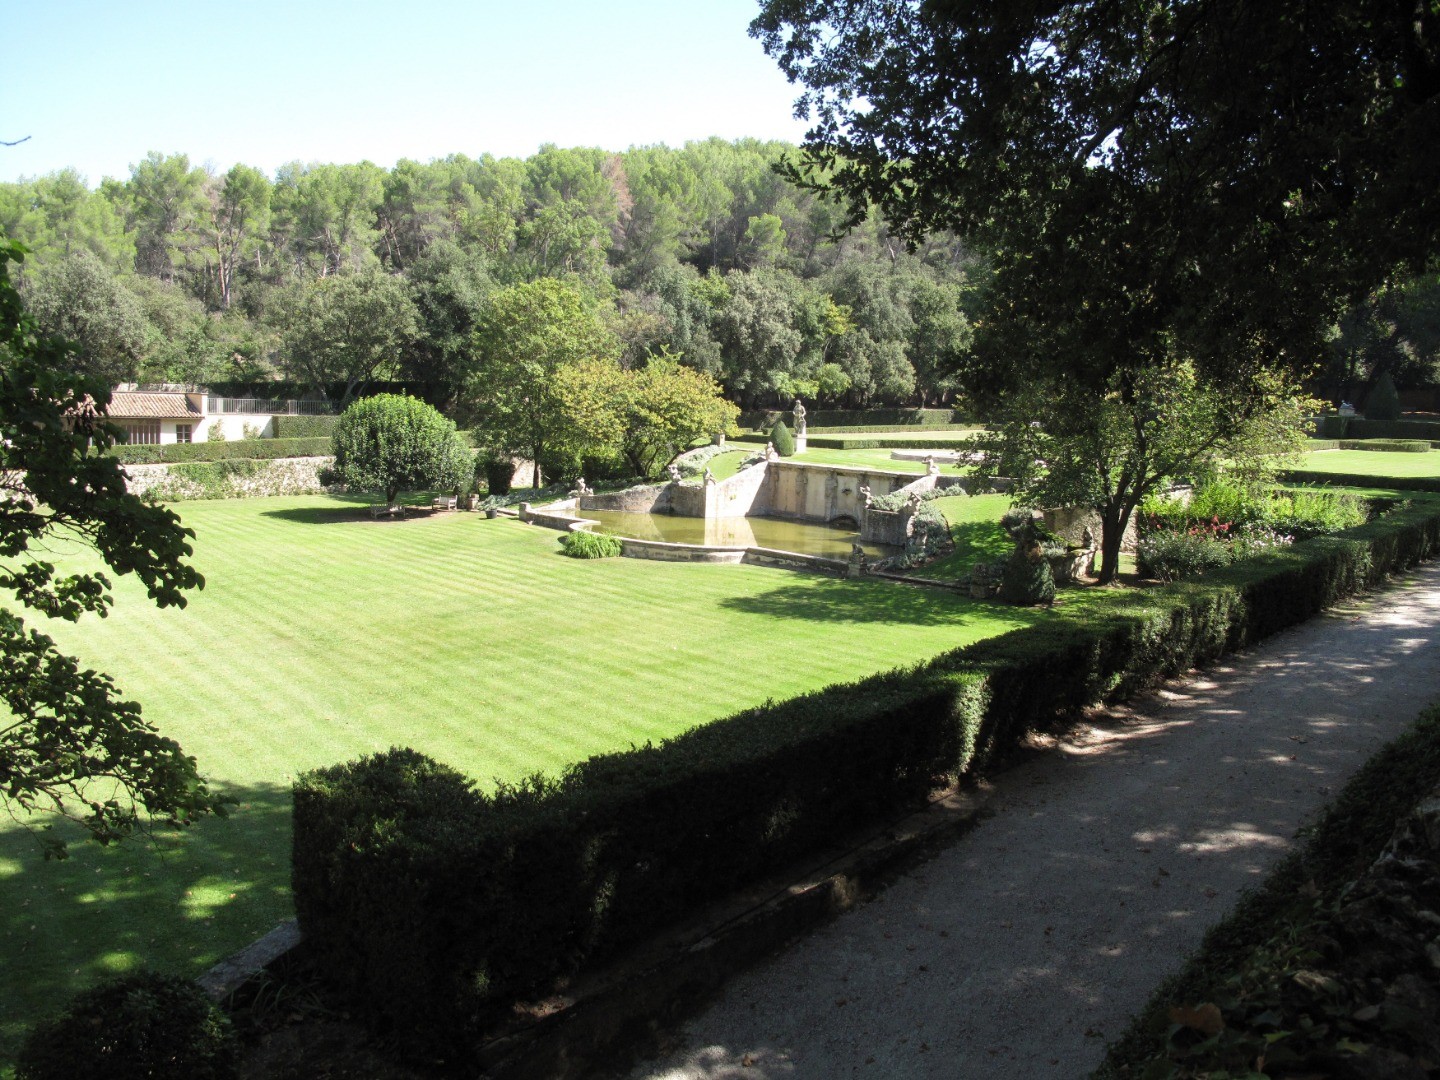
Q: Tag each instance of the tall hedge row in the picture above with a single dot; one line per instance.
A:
(1359, 427)
(951, 439)
(436, 904)
(764, 419)
(304, 427)
(259, 449)
(1362, 480)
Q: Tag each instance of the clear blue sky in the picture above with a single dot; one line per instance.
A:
(98, 83)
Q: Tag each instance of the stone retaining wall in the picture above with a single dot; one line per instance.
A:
(276, 476)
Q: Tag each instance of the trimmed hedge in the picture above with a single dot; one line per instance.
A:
(881, 419)
(1402, 446)
(437, 905)
(834, 442)
(1358, 427)
(256, 449)
(881, 429)
(304, 427)
(141, 1026)
(1362, 480)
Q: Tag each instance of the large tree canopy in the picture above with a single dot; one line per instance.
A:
(69, 744)
(1196, 177)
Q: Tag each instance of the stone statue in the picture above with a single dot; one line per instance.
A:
(675, 476)
(771, 454)
(582, 488)
(799, 413)
(865, 494)
(709, 476)
(931, 467)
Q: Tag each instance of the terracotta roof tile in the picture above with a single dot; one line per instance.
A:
(130, 405)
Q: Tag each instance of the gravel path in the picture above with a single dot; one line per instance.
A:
(1019, 951)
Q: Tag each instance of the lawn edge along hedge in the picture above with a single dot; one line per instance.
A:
(437, 905)
(257, 449)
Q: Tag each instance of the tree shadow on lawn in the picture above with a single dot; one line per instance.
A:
(178, 903)
(835, 601)
(349, 509)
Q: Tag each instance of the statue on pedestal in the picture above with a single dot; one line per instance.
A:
(799, 414)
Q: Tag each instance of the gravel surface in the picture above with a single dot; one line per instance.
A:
(1022, 949)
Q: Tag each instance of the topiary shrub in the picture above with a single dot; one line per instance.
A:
(499, 472)
(783, 440)
(1027, 577)
(1383, 402)
(143, 1026)
(589, 545)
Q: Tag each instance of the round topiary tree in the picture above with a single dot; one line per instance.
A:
(783, 440)
(394, 443)
(142, 1026)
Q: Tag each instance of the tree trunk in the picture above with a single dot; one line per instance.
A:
(1113, 520)
(535, 478)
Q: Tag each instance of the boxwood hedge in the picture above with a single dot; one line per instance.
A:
(223, 451)
(437, 905)
(304, 427)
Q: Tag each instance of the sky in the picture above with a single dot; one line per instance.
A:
(96, 84)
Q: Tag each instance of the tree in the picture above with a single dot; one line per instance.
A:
(647, 415)
(529, 332)
(80, 300)
(394, 443)
(1188, 191)
(1065, 447)
(69, 744)
(347, 328)
(1198, 179)
(238, 216)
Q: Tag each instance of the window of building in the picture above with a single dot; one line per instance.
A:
(182, 432)
(142, 432)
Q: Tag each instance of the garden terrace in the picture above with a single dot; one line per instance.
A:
(322, 635)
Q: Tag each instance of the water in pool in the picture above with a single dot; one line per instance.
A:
(797, 536)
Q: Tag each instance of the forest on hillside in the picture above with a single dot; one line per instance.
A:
(343, 274)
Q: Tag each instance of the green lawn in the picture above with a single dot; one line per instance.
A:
(322, 635)
(1379, 463)
(975, 528)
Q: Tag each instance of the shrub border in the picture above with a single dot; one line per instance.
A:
(257, 449)
(437, 906)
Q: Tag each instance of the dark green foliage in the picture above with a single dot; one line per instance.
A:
(783, 440)
(880, 442)
(1384, 402)
(1399, 446)
(304, 427)
(1171, 556)
(1270, 923)
(1361, 480)
(69, 743)
(392, 443)
(435, 905)
(590, 545)
(260, 449)
(860, 419)
(1027, 578)
(143, 1026)
(499, 472)
(1357, 427)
